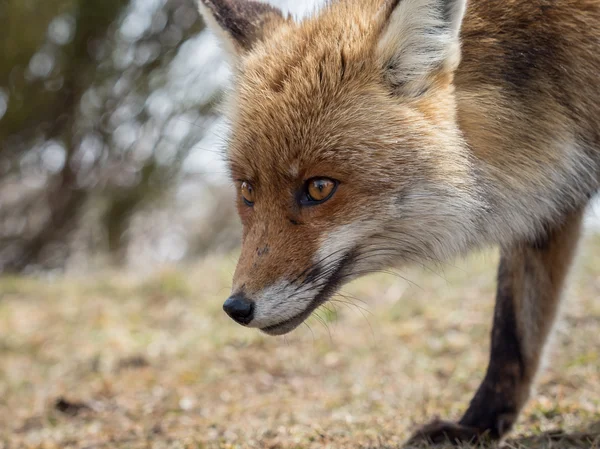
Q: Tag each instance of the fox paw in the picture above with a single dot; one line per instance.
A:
(438, 432)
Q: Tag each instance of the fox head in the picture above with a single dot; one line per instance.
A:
(344, 147)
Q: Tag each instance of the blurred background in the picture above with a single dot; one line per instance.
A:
(108, 130)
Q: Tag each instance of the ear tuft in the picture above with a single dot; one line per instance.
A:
(420, 38)
(240, 23)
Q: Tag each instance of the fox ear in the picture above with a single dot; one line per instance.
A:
(419, 38)
(239, 23)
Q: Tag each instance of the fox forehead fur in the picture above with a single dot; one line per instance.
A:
(442, 124)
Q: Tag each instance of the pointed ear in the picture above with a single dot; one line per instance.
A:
(239, 23)
(420, 38)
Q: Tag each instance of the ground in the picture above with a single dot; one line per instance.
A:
(119, 361)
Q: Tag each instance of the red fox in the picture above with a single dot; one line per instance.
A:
(377, 133)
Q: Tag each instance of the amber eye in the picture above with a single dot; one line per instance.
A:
(319, 190)
(247, 193)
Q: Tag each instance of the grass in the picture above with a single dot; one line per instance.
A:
(120, 362)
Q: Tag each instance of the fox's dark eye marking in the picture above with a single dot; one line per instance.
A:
(247, 192)
(317, 191)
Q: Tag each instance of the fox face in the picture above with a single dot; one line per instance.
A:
(344, 147)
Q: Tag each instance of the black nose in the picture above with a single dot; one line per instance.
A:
(239, 308)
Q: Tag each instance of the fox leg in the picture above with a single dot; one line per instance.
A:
(530, 281)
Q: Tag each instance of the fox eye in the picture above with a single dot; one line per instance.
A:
(247, 193)
(319, 190)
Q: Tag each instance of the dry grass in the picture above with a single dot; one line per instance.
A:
(112, 362)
